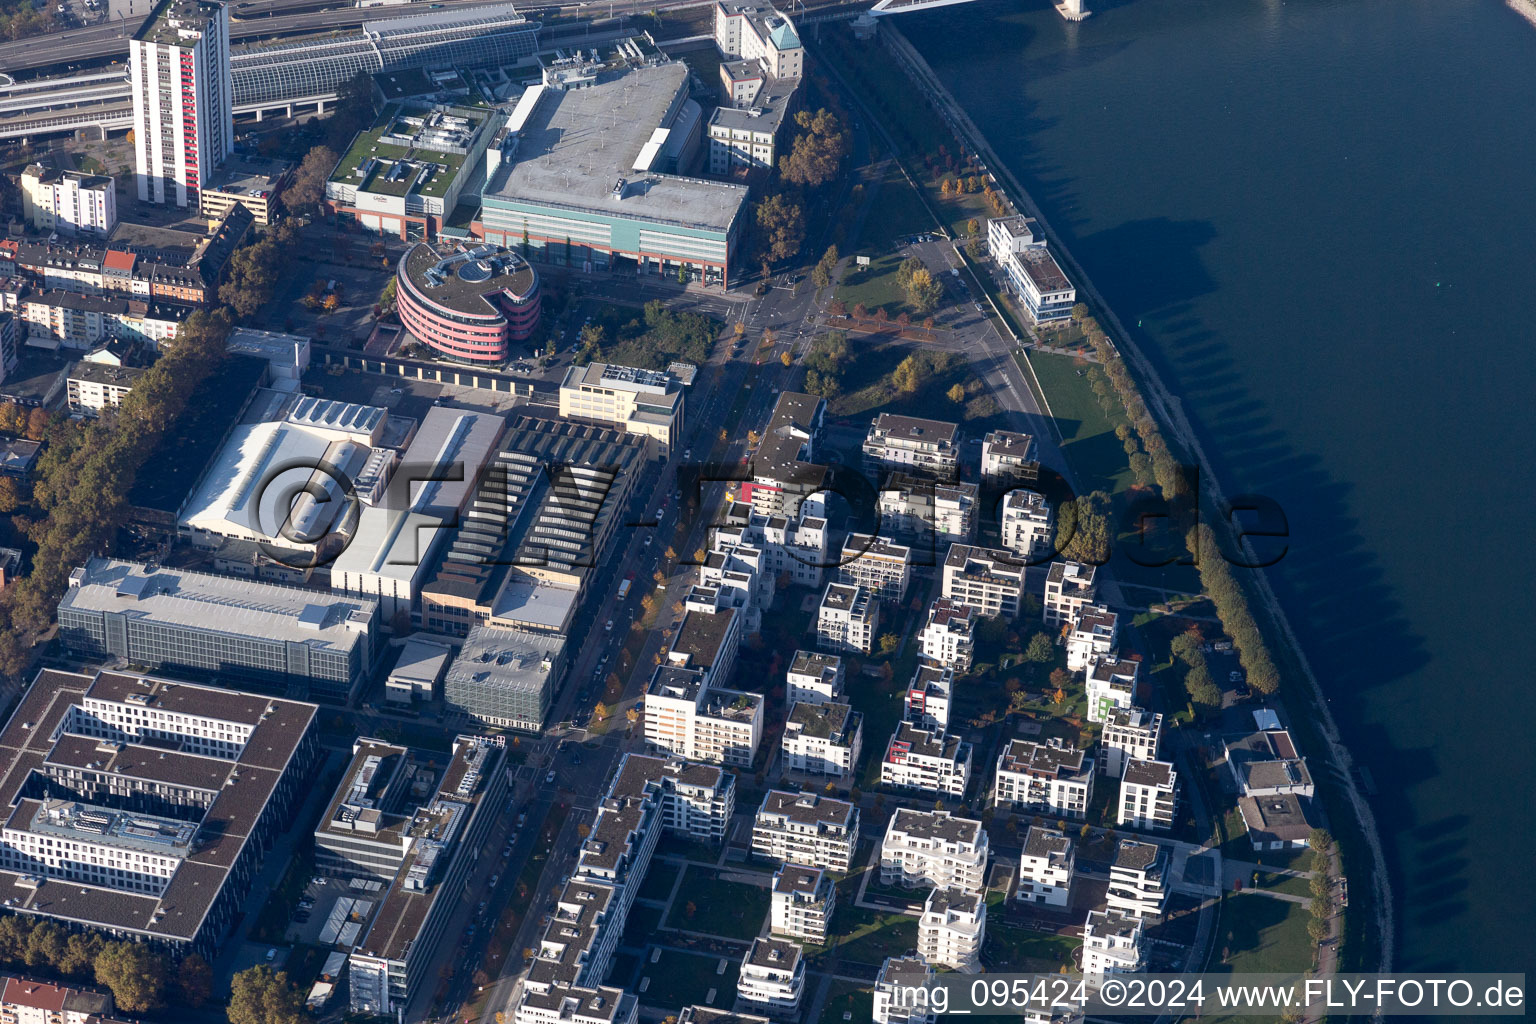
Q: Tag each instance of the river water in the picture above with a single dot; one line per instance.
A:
(1323, 215)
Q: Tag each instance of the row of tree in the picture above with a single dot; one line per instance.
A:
(1202, 689)
(138, 975)
(1166, 470)
(22, 421)
(1221, 586)
(815, 158)
(84, 477)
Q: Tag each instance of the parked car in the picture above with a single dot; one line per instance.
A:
(271, 954)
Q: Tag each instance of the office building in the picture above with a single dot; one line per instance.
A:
(952, 929)
(802, 902)
(255, 183)
(785, 470)
(1017, 245)
(759, 80)
(929, 761)
(934, 848)
(687, 718)
(948, 637)
(1069, 587)
(772, 977)
(1138, 879)
(1112, 944)
(142, 807)
(846, 619)
(418, 672)
(592, 179)
(70, 203)
(636, 401)
(183, 100)
(901, 991)
(910, 444)
(804, 828)
(505, 677)
(759, 33)
(813, 678)
(987, 579)
(1051, 777)
(263, 633)
(822, 739)
(1111, 685)
(1027, 526)
(440, 835)
(1129, 734)
(1045, 867)
(882, 569)
(1009, 458)
(473, 304)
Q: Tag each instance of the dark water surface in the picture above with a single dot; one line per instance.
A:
(1324, 214)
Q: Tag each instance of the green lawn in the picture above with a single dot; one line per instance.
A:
(869, 936)
(1262, 936)
(1097, 458)
(847, 1003)
(658, 881)
(684, 979)
(896, 211)
(1012, 948)
(1291, 885)
(733, 910)
(875, 285)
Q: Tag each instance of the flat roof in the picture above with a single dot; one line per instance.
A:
(468, 281)
(939, 825)
(808, 808)
(494, 657)
(577, 143)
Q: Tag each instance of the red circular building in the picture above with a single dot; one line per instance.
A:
(472, 304)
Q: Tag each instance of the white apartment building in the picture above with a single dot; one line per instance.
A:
(934, 848)
(1111, 683)
(882, 568)
(822, 739)
(1051, 777)
(772, 977)
(793, 548)
(1093, 635)
(784, 468)
(928, 696)
(813, 678)
(1068, 587)
(948, 636)
(1149, 794)
(901, 991)
(952, 929)
(804, 828)
(69, 202)
(1027, 523)
(928, 761)
(1045, 867)
(930, 514)
(1019, 248)
(1138, 879)
(709, 635)
(688, 719)
(183, 100)
(1112, 944)
(988, 579)
(1009, 457)
(911, 444)
(95, 387)
(644, 402)
(29, 1001)
(802, 902)
(847, 619)
(1129, 734)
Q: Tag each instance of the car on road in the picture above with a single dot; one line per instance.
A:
(271, 954)
(494, 880)
(608, 627)
(660, 512)
(522, 819)
(648, 539)
(506, 851)
(687, 453)
(549, 780)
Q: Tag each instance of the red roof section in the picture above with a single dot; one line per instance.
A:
(37, 994)
(116, 259)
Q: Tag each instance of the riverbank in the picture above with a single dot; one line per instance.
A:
(1351, 815)
(1525, 8)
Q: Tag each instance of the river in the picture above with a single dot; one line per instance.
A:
(1322, 214)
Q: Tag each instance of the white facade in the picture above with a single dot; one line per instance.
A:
(813, 678)
(882, 568)
(1093, 635)
(1138, 882)
(929, 761)
(802, 902)
(822, 739)
(987, 579)
(1019, 248)
(1068, 587)
(1008, 457)
(847, 619)
(183, 100)
(1026, 524)
(69, 202)
(1045, 867)
(803, 828)
(1112, 944)
(644, 402)
(912, 444)
(750, 32)
(1050, 777)
(947, 638)
(1149, 793)
(1129, 734)
(928, 697)
(927, 512)
(1111, 684)
(772, 977)
(934, 848)
(901, 991)
(690, 719)
(952, 929)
